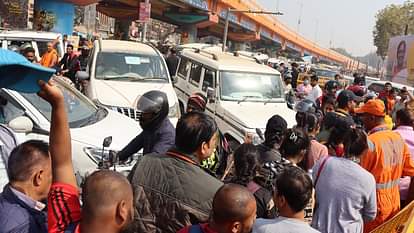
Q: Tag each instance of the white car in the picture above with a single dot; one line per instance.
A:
(120, 72)
(37, 40)
(243, 94)
(29, 116)
(378, 86)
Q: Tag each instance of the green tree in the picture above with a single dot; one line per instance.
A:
(391, 21)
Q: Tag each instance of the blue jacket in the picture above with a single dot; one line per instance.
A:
(17, 217)
(157, 141)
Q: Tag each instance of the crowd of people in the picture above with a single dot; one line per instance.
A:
(71, 61)
(345, 167)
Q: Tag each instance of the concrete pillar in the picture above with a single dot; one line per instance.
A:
(122, 29)
(189, 34)
(240, 46)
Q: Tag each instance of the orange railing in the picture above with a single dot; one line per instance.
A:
(273, 24)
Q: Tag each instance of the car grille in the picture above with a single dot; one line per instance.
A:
(130, 112)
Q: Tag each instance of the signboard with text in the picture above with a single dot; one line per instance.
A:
(400, 60)
(144, 12)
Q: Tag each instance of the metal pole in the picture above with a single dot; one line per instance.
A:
(226, 30)
(144, 32)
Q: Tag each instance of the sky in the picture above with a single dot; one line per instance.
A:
(333, 23)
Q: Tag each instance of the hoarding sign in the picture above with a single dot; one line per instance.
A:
(400, 61)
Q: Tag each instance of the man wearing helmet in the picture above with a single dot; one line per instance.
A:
(158, 133)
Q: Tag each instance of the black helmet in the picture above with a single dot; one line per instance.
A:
(153, 106)
(332, 84)
(306, 105)
(304, 109)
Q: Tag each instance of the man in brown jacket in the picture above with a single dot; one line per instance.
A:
(171, 191)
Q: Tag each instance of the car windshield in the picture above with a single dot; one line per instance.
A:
(256, 87)
(325, 73)
(130, 67)
(80, 112)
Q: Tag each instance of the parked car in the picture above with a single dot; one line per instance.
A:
(378, 86)
(37, 40)
(29, 116)
(119, 72)
(242, 93)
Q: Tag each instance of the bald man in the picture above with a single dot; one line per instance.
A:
(107, 195)
(234, 211)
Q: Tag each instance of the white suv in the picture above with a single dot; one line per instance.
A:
(243, 94)
(120, 72)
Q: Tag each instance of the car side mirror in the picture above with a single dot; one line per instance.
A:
(174, 79)
(82, 75)
(211, 95)
(107, 142)
(21, 124)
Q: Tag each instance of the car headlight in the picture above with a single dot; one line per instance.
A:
(174, 110)
(99, 155)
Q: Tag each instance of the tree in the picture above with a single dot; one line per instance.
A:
(391, 21)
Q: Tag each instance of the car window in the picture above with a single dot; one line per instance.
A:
(256, 87)
(184, 68)
(130, 67)
(375, 87)
(195, 74)
(18, 45)
(209, 79)
(80, 112)
(9, 110)
(42, 47)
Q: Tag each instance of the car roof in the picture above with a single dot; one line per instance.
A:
(394, 85)
(227, 61)
(29, 34)
(126, 47)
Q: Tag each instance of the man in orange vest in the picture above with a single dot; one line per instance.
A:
(388, 160)
(50, 57)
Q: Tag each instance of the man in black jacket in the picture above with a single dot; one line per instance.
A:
(70, 63)
(158, 133)
(171, 189)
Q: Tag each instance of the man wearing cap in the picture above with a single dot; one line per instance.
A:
(346, 103)
(388, 161)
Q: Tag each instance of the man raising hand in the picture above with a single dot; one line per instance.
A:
(107, 195)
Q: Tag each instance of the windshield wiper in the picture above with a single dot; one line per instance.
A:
(130, 75)
(245, 98)
(149, 78)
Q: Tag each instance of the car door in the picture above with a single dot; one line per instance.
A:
(209, 82)
(182, 83)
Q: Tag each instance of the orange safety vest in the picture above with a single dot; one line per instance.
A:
(48, 57)
(389, 161)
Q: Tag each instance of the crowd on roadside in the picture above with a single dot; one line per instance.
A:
(345, 167)
(73, 60)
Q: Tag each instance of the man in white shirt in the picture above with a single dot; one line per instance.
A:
(316, 91)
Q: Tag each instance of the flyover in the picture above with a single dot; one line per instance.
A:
(197, 18)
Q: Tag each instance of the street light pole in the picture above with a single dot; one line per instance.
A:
(226, 25)
(144, 32)
(226, 30)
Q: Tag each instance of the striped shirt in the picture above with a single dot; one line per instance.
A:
(64, 210)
